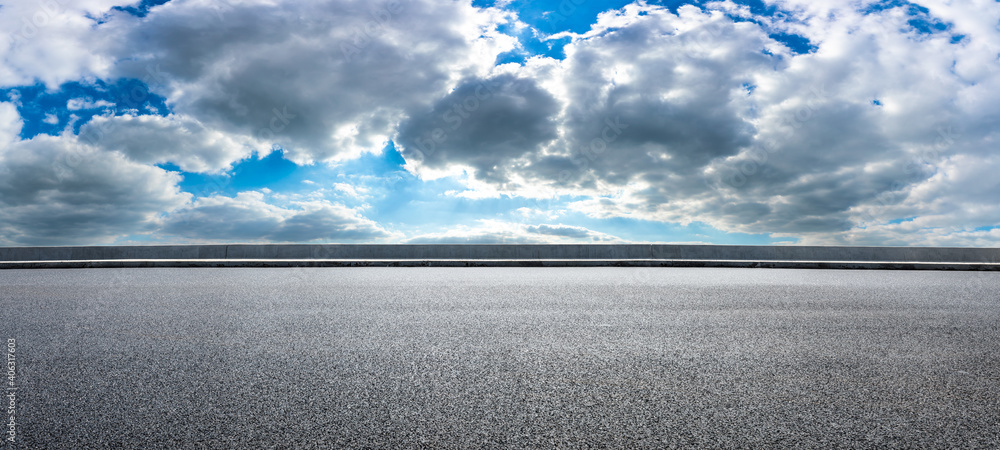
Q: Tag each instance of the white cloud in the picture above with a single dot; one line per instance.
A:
(10, 123)
(176, 139)
(500, 232)
(679, 118)
(695, 117)
(324, 80)
(358, 192)
(248, 217)
(52, 41)
(75, 104)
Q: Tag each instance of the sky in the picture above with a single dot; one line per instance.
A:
(763, 122)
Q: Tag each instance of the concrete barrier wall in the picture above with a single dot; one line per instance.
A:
(804, 253)
(113, 252)
(499, 252)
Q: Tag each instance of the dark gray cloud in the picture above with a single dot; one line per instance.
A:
(485, 124)
(55, 191)
(642, 101)
(481, 238)
(578, 233)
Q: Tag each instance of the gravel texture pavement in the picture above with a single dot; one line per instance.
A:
(503, 357)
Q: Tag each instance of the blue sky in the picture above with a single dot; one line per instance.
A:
(749, 122)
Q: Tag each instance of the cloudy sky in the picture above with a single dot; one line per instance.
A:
(364, 121)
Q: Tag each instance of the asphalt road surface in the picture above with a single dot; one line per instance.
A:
(503, 357)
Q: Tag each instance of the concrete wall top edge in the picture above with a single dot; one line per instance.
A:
(504, 251)
(482, 245)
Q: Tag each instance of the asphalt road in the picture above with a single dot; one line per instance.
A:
(503, 357)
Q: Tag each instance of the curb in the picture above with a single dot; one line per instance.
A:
(278, 263)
